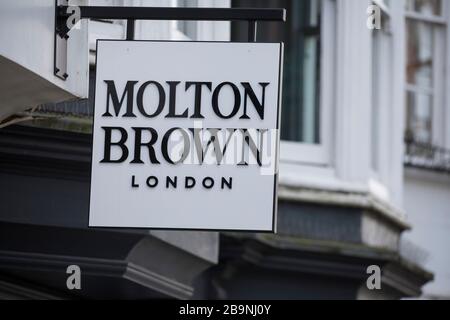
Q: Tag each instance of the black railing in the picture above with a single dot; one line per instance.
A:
(426, 156)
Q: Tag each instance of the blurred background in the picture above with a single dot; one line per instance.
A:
(364, 165)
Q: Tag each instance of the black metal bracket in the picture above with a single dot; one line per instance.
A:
(155, 13)
(60, 43)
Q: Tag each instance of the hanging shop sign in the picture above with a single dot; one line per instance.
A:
(185, 135)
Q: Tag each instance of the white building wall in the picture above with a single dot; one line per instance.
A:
(427, 203)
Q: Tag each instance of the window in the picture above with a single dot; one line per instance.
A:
(189, 28)
(301, 96)
(308, 52)
(105, 28)
(159, 29)
(185, 30)
(301, 93)
(429, 7)
(200, 30)
(425, 58)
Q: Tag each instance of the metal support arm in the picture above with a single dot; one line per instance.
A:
(174, 13)
(158, 13)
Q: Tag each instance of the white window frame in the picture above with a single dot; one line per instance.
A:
(379, 177)
(319, 154)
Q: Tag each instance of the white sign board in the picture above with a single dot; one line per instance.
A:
(185, 135)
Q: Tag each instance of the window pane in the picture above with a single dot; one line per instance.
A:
(189, 28)
(419, 115)
(420, 53)
(426, 7)
(301, 36)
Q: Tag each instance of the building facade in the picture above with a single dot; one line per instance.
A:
(352, 96)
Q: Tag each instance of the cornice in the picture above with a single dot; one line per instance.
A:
(322, 258)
